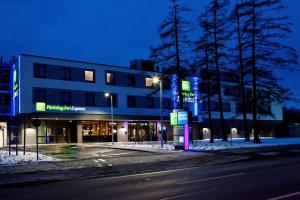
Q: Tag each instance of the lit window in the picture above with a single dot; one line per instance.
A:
(110, 78)
(149, 82)
(89, 75)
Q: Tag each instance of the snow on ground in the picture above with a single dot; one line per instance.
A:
(30, 157)
(239, 143)
(154, 145)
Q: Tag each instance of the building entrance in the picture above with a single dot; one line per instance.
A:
(142, 131)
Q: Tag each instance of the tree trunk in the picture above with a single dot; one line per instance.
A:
(247, 138)
(254, 96)
(178, 67)
(208, 94)
(223, 131)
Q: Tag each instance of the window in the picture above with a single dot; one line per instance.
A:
(131, 101)
(39, 96)
(248, 107)
(114, 98)
(65, 73)
(89, 99)
(66, 98)
(232, 91)
(110, 78)
(226, 107)
(89, 75)
(264, 108)
(166, 84)
(149, 102)
(39, 70)
(131, 80)
(166, 103)
(149, 82)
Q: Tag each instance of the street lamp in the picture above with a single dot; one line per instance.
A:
(155, 81)
(112, 116)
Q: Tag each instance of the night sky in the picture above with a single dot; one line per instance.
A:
(103, 31)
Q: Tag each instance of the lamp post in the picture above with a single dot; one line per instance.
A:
(155, 81)
(112, 116)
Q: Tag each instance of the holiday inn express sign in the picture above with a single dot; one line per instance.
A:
(43, 107)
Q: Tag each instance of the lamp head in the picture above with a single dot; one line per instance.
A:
(155, 79)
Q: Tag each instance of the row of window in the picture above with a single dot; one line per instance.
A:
(264, 108)
(70, 73)
(96, 99)
(111, 79)
(235, 91)
(214, 106)
(40, 95)
(40, 71)
(147, 102)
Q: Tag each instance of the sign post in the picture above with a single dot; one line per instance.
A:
(179, 119)
(37, 123)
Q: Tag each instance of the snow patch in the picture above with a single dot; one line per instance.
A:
(29, 157)
(239, 143)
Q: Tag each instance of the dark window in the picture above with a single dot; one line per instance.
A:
(226, 107)
(39, 96)
(131, 80)
(89, 99)
(263, 95)
(166, 84)
(149, 102)
(232, 91)
(214, 106)
(39, 70)
(65, 73)
(239, 107)
(114, 99)
(264, 108)
(110, 78)
(131, 101)
(66, 98)
(166, 103)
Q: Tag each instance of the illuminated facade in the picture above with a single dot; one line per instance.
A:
(68, 97)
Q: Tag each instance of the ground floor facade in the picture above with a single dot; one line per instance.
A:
(62, 128)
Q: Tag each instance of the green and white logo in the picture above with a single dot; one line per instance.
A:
(173, 119)
(40, 106)
(186, 86)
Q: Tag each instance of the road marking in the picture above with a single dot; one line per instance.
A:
(210, 179)
(152, 173)
(102, 160)
(285, 196)
(114, 154)
(185, 195)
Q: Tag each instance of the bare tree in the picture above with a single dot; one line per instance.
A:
(266, 29)
(172, 52)
(217, 20)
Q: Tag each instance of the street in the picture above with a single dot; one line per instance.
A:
(277, 178)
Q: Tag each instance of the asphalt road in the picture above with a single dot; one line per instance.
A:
(260, 179)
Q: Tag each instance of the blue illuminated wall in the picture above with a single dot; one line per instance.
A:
(194, 103)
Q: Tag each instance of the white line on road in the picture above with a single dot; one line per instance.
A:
(152, 173)
(210, 179)
(185, 195)
(285, 196)
(102, 160)
(114, 154)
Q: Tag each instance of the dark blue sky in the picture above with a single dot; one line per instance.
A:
(103, 31)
